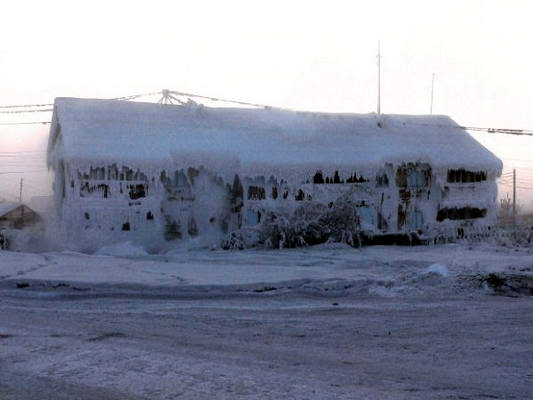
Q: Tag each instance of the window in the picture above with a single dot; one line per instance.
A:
(413, 176)
(137, 192)
(256, 193)
(455, 213)
(464, 176)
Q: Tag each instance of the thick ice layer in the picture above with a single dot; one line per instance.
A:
(264, 141)
(147, 172)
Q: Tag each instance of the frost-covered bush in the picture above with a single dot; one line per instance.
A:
(511, 236)
(241, 239)
(310, 224)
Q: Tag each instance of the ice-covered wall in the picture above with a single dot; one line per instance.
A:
(108, 204)
(157, 174)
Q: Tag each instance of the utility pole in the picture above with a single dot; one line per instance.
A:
(379, 80)
(432, 86)
(514, 198)
(20, 190)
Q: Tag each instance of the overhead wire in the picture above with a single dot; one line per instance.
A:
(26, 123)
(27, 105)
(526, 132)
(136, 96)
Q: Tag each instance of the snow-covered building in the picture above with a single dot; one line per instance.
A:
(152, 172)
(16, 216)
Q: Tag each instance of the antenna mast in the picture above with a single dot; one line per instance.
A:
(432, 86)
(379, 79)
(20, 189)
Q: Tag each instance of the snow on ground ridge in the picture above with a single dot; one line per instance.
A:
(380, 271)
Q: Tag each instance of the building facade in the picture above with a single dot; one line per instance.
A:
(159, 174)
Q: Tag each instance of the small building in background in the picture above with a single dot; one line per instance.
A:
(16, 216)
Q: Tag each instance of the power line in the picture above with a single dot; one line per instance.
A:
(224, 100)
(136, 96)
(527, 132)
(23, 172)
(22, 151)
(25, 111)
(28, 105)
(26, 123)
(524, 132)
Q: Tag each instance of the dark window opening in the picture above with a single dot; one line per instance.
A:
(236, 193)
(461, 213)
(149, 216)
(402, 217)
(382, 180)
(256, 193)
(274, 192)
(126, 226)
(413, 176)
(464, 176)
(172, 229)
(193, 173)
(405, 195)
(382, 222)
(137, 191)
(192, 229)
(237, 190)
(86, 215)
(318, 178)
(300, 195)
(86, 189)
(355, 179)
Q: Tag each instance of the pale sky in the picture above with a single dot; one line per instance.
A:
(312, 55)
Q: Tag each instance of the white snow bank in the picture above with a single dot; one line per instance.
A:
(378, 270)
(124, 249)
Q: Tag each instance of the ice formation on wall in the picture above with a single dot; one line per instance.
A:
(159, 173)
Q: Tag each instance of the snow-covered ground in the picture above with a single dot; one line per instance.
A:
(443, 322)
(379, 270)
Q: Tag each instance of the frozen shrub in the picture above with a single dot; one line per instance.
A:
(241, 239)
(514, 236)
(310, 224)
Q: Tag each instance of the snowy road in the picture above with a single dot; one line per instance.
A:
(267, 347)
(370, 324)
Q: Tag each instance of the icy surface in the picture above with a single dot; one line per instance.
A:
(263, 141)
(381, 323)
(153, 174)
(123, 249)
(382, 270)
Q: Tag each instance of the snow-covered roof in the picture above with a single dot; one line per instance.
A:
(91, 131)
(7, 207)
